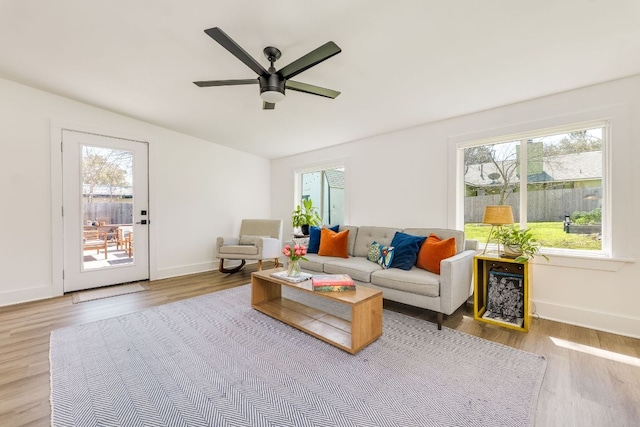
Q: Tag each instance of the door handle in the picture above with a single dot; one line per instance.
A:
(143, 222)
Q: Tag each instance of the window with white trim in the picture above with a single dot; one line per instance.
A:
(325, 187)
(562, 200)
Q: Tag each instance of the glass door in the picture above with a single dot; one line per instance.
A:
(105, 196)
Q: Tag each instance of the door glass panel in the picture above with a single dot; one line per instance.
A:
(107, 207)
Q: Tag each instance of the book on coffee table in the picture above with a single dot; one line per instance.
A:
(294, 279)
(332, 283)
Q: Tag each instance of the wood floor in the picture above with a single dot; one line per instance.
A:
(596, 383)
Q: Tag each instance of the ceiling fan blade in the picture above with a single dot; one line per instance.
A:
(268, 105)
(226, 82)
(313, 90)
(312, 58)
(227, 42)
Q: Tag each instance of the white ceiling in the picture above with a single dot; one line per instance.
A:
(403, 63)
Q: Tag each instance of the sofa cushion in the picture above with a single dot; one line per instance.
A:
(380, 254)
(353, 233)
(443, 233)
(433, 251)
(368, 234)
(358, 268)
(334, 244)
(415, 281)
(314, 237)
(406, 247)
(315, 262)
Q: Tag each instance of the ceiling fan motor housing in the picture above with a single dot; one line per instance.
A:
(271, 83)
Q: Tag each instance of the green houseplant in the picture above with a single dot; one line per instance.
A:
(305, 215)
(518, 244)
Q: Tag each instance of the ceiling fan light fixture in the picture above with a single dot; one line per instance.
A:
(271, 88)
(272, 96)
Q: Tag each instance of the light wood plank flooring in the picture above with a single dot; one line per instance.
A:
(583, 386)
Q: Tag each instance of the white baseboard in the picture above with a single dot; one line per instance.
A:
(26, 295)
(601, 321)
(183, 270)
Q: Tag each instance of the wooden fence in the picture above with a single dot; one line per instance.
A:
(118, 213)
(543, 206)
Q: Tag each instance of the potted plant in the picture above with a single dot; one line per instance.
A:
(518, 244)
(305, 215)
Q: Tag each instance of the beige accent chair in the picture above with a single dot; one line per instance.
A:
(259, 239)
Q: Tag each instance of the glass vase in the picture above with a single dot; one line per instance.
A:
(293, 269)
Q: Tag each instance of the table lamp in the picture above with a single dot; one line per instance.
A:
(497, 216)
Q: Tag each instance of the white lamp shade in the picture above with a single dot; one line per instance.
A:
(272, 96)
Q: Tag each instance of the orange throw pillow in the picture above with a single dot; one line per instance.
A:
(334, 244)
(434, 250)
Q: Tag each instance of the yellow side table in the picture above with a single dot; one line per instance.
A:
(502, 290)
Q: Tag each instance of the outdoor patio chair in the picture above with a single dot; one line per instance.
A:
(94, 239)
(258, 239)
(128, 243)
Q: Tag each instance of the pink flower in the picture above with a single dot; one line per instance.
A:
(298, 251)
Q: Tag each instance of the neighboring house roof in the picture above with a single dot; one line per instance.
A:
(335, 178)
(565, 167)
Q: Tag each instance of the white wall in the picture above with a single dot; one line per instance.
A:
(196, 192)
(407, 179)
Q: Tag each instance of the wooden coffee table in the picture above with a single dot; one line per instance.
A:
(366, 311)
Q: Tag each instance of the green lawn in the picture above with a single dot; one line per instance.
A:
(550, 234)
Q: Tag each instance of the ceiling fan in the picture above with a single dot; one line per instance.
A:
(273, 83)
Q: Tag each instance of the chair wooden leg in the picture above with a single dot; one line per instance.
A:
(440, 318)
(221, 268)
(277, 263)
(259, 265)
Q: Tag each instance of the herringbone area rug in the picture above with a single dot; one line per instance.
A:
(213, 361)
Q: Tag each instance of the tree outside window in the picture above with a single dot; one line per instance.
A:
(107, 185)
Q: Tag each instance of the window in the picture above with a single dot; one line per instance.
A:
(325, 186)
(561, 201)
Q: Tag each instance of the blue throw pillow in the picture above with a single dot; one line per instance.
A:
(406, 248)
(314, 238)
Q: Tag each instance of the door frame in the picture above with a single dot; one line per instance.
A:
(57, 222)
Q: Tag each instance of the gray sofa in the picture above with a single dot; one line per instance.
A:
(442, 293)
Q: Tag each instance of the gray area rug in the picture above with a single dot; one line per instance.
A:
(213, 361)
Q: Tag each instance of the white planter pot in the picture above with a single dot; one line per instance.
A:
(512, 251)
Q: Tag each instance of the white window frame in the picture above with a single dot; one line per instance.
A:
(319, 167)
(605, 124)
